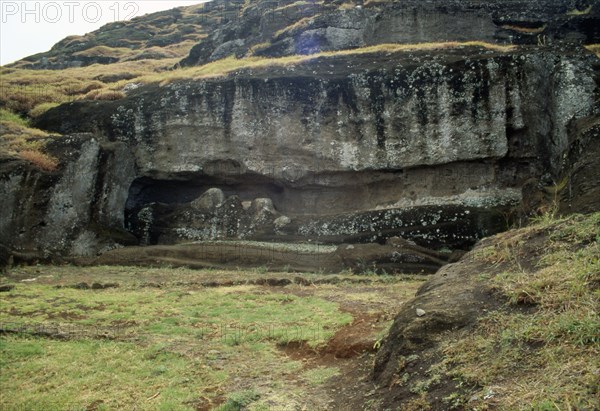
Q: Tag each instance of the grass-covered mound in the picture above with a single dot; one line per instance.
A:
(514, 325)
(541, 350)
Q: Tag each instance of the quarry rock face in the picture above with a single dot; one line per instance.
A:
(75, 211)
(432, 146)
(281, 28)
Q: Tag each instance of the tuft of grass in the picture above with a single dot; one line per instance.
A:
(28, 143)
(41, 109)
(107, 95)
(294, 4)
(577, 12)
(298, 25)
(543, 347)
(7, 116)
(347, 6)
(525, 30)
(320, 375)
(239, 400)
(39, 159)
(105, 51)
(594, 48)
(258, 48)
(375, 2)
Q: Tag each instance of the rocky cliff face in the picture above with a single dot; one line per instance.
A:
(434, 146)
(280, 28)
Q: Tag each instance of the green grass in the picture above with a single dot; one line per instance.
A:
(239, 314)
(318, 376)
(49, 375)
(238, 400)
(161, 334)
(10, 117)
(547, 354)
(160, 340)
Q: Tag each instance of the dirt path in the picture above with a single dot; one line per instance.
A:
(351, 349)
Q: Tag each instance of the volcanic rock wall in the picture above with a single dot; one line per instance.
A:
(287, 27)
(433, 146)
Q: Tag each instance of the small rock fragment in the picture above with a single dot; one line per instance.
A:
(420, 312)
(282, 221)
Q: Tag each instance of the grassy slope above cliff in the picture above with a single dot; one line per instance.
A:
(19, 139)
(517, 328)
(31, 92)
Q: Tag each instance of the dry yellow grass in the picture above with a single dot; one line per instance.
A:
(347, 6)
(594, 48)
(524, 30)
(256, 48)
(41, 109)
(104, 95)
(227, 65)
(394, 48)
(24, 90)
(39, 159)
(182, 49)
(296, 4)
(303, 22)
(375, 2)
(18, 139)
(576, 12)
(104, 51)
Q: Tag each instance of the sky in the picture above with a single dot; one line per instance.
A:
(33, 26)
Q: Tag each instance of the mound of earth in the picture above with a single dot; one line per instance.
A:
(413, 368)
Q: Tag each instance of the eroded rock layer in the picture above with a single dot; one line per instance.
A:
(434, 146)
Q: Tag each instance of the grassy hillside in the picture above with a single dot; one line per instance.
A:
(31, 92)
(541, 350)
(17, 138)
(162, 35)
(538, 349)
(514, 325)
